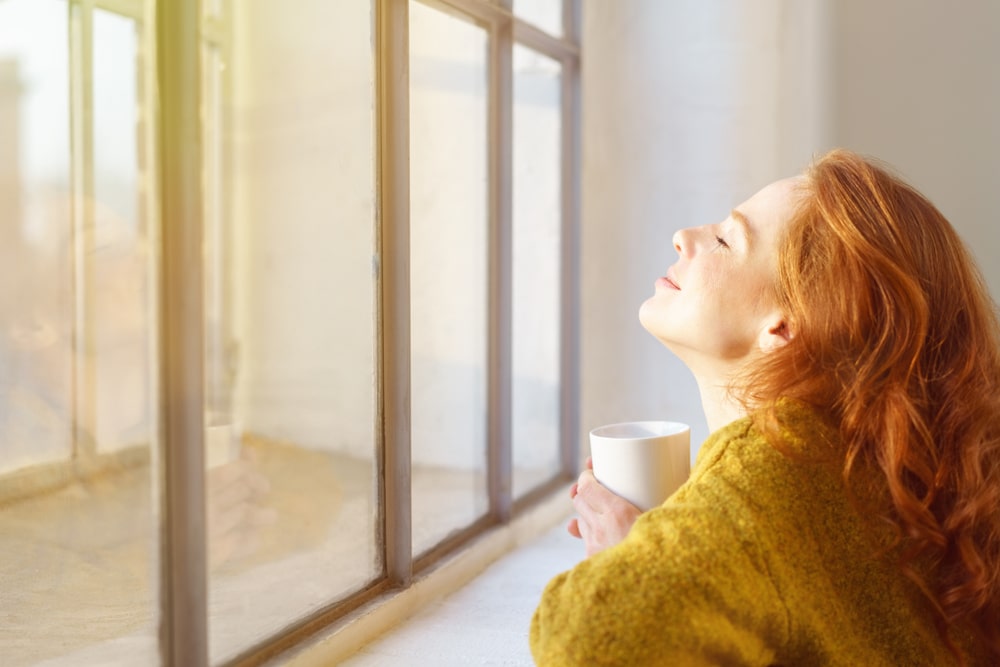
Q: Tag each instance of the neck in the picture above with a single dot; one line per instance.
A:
(717, 401)
(713, 376)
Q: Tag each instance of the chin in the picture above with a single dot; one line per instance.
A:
(646, 312)
(652, 317)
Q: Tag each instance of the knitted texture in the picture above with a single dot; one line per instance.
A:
(759, 559)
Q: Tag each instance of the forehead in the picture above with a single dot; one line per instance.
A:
(771, 208)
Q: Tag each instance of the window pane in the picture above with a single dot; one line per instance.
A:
(35, 179)
(537, 239)
(212, 8)
(545, 14)
(448, 273)
(120, 298)
(291, 317)
(78, 522)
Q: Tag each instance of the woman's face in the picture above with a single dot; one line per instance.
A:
(715, 302)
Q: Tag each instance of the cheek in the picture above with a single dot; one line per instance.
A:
(738, 287)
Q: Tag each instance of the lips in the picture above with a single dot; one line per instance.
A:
(667, 282)
(671, 281)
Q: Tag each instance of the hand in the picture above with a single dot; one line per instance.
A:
(605, 518)
(236, 492)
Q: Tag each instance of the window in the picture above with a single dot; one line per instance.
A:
(78, 394)
(290, 315)
(449, 273)
(539, 238)
(287, 318)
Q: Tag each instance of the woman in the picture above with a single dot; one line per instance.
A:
(846, 508)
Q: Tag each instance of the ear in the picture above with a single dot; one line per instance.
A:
(775, 334)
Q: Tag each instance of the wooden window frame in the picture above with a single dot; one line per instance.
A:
(181, 29)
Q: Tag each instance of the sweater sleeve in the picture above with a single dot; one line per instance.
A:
(688, 586)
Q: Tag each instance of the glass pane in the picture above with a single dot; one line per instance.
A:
(220, 361)
(545, 14)
(120, 302)
(290, 241)
(212, 8)
(448, 273)
(78, 524)
(34, 177)
(537, 240)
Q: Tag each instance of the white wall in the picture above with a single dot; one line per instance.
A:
(689, 107)
(449, 223)
(916, 84)
(304, 222)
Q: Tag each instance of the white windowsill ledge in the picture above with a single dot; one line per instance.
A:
(463, 609)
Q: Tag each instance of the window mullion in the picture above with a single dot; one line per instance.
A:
(184, 622)
(569, 289)
(501, 277)
(392, 101)
(82, 212)
(131, 8)
(541, 41)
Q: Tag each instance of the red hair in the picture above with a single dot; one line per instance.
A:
(897, 340)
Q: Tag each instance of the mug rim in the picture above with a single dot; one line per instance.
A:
(656, 428)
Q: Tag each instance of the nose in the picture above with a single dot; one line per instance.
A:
(682, 241)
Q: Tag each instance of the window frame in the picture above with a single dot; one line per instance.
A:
(182, 31)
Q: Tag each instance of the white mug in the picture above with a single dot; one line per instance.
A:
(644, 462)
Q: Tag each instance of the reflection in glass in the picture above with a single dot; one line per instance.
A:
(537, 240)
(34, 180)
(290, 316)
(78, 527)
(212, 8)
(448, 273)
(116, 146)
(545, 14)
(119, 298)
(220, 360)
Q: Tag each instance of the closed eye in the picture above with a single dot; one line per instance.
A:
(721, 241)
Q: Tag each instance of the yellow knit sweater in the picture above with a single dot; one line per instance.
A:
(759, 559)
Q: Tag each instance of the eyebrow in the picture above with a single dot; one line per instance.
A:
(744, 222)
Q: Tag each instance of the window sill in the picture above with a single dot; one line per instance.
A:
(83, 548)
(476, 603)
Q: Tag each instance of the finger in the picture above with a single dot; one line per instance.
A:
(220, 550)
(259, 485)
(585, 512)
(249, 486)
(587, 537)
(246, 545)
(246, 473)
(222, 523)
(225, 473)
(221, 498)
(590, 463)
(594, 494)
(262, 516)
(574, 490)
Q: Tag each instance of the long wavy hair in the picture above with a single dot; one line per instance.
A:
(897, 339)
